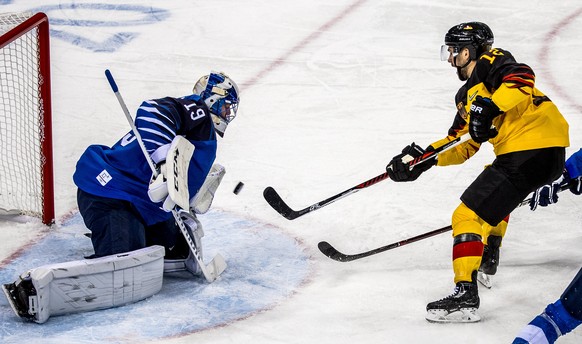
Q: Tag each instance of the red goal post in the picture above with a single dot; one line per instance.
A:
(26, 161)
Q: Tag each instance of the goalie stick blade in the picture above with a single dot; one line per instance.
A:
(215, 268)
(277, 203)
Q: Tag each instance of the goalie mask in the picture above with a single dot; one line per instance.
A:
(221, 95)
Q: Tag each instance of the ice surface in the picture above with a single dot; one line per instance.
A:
(331, 90)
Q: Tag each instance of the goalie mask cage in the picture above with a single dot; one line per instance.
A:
(26, 166)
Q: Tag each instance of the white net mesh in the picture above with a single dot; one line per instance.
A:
(21, 121)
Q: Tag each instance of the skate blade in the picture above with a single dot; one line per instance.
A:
(484, 279)
(8, 290)
(464, 315)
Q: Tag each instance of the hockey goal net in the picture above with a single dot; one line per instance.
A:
(26, 171)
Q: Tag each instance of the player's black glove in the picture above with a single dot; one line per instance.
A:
(483, 111)
(398, 169)
(544, 196)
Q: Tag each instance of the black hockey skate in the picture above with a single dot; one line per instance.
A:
(461, 306)
(19, 296)
(489, 261)
(178, 258)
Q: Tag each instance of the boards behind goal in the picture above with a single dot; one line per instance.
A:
(26, 162)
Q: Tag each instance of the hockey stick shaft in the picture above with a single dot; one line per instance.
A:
(334, 254)
(217, 265)
(328, 250)
(115, 89)
(277, 203)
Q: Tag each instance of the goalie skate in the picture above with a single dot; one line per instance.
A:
(21, 300)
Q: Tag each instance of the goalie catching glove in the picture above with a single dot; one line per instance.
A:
(399, 168)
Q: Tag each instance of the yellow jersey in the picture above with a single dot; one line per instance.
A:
(530, 120)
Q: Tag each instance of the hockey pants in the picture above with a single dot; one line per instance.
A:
(470, 234)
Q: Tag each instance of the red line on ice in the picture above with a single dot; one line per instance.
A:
(545, 52)
(314, 35)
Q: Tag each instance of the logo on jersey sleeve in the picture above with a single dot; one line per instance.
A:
(104, 177)
(472, 96)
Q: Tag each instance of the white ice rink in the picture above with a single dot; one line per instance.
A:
(331, 90)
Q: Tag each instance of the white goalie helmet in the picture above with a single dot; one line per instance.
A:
(221, 95)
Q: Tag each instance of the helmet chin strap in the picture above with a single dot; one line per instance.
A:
(459, 68)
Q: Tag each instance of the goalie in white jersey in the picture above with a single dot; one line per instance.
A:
(128, 210)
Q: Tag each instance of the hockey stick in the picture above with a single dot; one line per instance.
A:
(328, 250)
(277, 203)
(217, 264)
(334, 254)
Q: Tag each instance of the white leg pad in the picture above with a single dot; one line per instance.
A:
(88, 285)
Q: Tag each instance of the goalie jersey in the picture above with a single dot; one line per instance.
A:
(122, 172)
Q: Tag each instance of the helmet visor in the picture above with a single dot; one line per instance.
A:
(447, 50)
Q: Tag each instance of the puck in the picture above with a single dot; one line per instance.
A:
(238, 187)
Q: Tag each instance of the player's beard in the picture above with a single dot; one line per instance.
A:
(462, 71)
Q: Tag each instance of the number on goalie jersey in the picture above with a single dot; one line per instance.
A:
(113, 181)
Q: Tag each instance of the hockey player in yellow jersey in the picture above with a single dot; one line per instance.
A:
(498, 104)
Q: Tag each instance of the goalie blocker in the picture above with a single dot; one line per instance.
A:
(87, 285)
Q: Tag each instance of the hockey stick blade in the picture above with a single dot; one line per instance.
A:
(277, 203)
(332, 253)
(217, 265)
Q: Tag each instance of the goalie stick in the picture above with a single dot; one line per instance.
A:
(277, 203)
(217, 265)
(331, 252)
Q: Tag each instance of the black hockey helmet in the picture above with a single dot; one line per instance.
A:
(477, 36)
